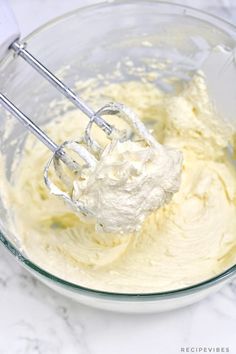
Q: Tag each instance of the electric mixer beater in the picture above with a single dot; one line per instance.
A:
(86, 148)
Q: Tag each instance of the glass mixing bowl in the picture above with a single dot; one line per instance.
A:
(82, 44)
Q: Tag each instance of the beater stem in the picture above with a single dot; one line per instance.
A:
(20, 50)
(34, 129)
(27, 122)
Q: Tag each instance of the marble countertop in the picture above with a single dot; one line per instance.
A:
(36, 320)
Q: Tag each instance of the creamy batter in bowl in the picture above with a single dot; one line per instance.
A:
(150, 39)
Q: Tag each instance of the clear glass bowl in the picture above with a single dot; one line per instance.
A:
(82, 44)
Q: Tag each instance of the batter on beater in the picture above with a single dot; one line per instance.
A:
(129, 179)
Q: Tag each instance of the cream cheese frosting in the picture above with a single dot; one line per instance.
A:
(188, 240)
(119, 183)
(130, 180)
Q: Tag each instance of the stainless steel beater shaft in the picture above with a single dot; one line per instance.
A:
(19, 49)
(28, 123)
(39, 133)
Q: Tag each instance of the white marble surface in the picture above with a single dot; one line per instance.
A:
(34, 319)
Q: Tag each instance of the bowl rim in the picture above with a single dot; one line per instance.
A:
(31, 266)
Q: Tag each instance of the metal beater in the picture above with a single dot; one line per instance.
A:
(86, 148)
